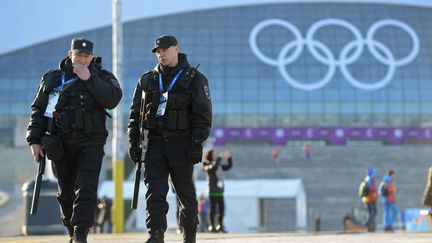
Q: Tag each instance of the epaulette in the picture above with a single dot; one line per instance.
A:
(50, 72)
(106, 72)
(188, 77)
(146, 77)
(146, 73)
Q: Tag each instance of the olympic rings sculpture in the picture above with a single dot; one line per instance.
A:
(349, 54)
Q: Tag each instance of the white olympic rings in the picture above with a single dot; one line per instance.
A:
(348, 55)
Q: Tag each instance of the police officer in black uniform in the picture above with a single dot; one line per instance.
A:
(177, 115)
(68, 125)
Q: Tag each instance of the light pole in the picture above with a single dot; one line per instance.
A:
(117, 138)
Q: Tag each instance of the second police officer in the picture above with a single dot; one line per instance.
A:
(177, 115)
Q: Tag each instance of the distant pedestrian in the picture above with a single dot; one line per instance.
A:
(203, 205)
(215, 187)
(387, 190)
(317, 220)
(427, 195)
(368, 194)
(103, 220)
(307, 149)
(275, 155)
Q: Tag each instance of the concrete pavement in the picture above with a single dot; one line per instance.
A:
(398, 237)
(4, 198)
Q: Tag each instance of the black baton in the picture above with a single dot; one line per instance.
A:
(37, 185)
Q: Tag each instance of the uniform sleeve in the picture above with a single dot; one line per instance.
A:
(133, 125)
(201, 108)
(38, 122)
(105, 88)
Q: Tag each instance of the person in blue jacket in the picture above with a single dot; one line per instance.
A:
(387, 190)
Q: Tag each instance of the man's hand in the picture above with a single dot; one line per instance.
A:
(135, 153)
(81, 71)
(36, 151)
(196, 152)
(227, 154)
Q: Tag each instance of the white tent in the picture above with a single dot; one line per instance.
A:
(241, 199)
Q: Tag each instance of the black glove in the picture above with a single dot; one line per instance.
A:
(53, 147)
(135, 153)
(196, 152)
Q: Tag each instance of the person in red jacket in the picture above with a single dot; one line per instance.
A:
(307, 149)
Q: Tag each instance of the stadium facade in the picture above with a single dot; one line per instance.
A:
(327, 71)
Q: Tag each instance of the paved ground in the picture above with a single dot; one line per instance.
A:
(11, 215)
(11, 219)
(399, 237)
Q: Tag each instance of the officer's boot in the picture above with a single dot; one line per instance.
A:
(189, 235)
(156, 236)
(80, 234)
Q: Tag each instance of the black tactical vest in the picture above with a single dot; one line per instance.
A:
(79, 112)
(178, 113)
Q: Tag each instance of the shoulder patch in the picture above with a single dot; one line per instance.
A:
(206, 91)
(115, 82)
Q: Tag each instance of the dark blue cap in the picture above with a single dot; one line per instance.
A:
(164, 41)
(82, 45)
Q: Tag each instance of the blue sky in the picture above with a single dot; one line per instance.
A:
(26, 22)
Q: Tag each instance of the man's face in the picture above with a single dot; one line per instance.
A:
(80, 58)
(168, 56)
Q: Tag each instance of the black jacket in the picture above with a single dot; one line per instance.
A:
(214, 174)
(188, 112)
(86, 100)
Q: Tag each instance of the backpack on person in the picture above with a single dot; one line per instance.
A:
(363, 190)
(384, 190)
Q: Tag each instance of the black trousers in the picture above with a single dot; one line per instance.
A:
(217, 202)
(163, 159)
(77, 176)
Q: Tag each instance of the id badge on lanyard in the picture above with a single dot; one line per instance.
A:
(54, 96)
(163, 99)
(162, 104)
(52, 102)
